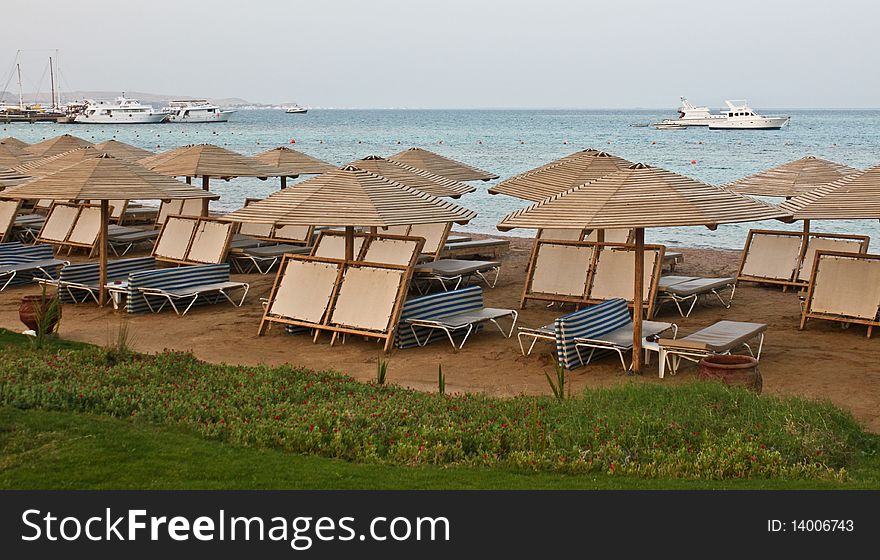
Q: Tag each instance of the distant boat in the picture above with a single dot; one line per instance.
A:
(693, 115)
(669, 126)
(296, 109)
(122, 111)
(739, 116)
(195, 111)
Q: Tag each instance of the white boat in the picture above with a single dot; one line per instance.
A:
(665, 125)
(296, 109)
(739, 116)
(693, 115)
(121, 111)
(195, 111)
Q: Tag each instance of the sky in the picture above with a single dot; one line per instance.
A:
(461, 53)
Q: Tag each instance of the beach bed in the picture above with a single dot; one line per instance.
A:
(683, 289)
(721, 338)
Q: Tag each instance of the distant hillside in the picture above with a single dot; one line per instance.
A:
(153, 98)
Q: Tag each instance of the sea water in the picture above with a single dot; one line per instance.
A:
(507, 142)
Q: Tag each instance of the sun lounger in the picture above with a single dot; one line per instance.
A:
(671, 260)
(78, 282)
(187, 240)
(182, 288)
(620, 340)
(432, 306)
(121, 239)
(721, 338)
(20, 264)
(301, 294)
(458, 238)
(477, 247)
(8, 213)
(683, 289)
(264, 258)
(452, 321)
(844, 287)
(613, 235)
(448, 271)
(434, 235)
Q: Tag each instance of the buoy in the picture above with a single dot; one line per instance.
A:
(292, 141)
(693, 162)
(565, 141)
(653, 142)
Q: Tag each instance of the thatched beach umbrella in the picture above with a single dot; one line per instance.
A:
(56, 145)
(350, 197)
(206, 161)
(104, 178)
(293, 163)
(122, 150)
(641, 197)
(853, 197)
(14, 143)
(413, 177)
(561, 175)
(51, 164)
(792, 179)
(10, 157)
(440, 165)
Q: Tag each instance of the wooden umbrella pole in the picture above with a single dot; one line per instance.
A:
(102, 253)
(205, 186)
(189, 180)
(806, 227)
(349, 243)
(637, 300)
(284, 181)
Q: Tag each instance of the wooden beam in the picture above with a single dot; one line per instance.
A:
(637, 300)
(205, 202)
(102, 252)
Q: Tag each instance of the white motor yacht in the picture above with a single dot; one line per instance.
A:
(739, 116)
(693, 115)
(195, 111)
(296, 109)
(120, 111)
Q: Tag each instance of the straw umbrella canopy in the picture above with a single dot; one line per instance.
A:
(105, 178)
(56, 145)
(206, 161)
(560, 175)
(293, 163)
(413, 177)
(853, 197)
(641, 197)
(11, 157)
(351, 197)
(122, 150)
(51, 164)
(14, 143)
(440, 165)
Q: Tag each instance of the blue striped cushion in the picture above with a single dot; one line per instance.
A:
(89, 273)
(591, 322)
(172, 278)
(432, 306)
(18, 253)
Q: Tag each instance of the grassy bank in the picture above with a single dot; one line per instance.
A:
(700, 431)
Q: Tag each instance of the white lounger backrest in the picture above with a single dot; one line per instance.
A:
(59, 222)
(367, 298)
(8, 211)
(433, 234)
(390, 251)
(561, 234)
(825, 244)
(117, 207)
(615, 270)
(846, 286)
(175, 238)
(87, 227)
(772, 255)
(210, 242)
(333, 246)
(612, 235)
(300, 234)
(304, 291)
(187, 207)
(44, 203)
(255, 230)
(561, 269)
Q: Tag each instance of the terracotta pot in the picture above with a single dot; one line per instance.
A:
(29, 311)
(732, 370)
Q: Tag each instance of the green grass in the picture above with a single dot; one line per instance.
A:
(80, 416)
(62, 450)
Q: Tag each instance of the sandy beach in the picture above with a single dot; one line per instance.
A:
(822, 362)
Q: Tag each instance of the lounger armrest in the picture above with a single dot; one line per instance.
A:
(682, 344)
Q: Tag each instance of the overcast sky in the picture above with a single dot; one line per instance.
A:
(462, 53)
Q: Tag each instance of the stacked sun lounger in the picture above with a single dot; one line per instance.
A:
(77, 283)
(493, 248)
(182, 288)
(688, 289)
(456, 272)
(20, 264)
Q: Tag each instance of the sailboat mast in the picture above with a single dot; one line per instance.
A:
(20, 97)
(52, 82)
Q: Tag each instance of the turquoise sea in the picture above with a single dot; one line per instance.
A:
(508, 142)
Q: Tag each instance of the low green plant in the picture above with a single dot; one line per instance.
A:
(120, 350)
(381, 369)
(47, 316)
(441, 380)
(558, 387)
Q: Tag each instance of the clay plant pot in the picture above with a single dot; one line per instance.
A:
(30, 309)
(741, 371)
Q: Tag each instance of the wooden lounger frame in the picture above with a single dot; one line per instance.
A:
(586, 298)
(407, 231)
(808, 313)
(805, 239)
(170, 208)
(67, 242)
(326, 325)
(197, 223)
(8, 211)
